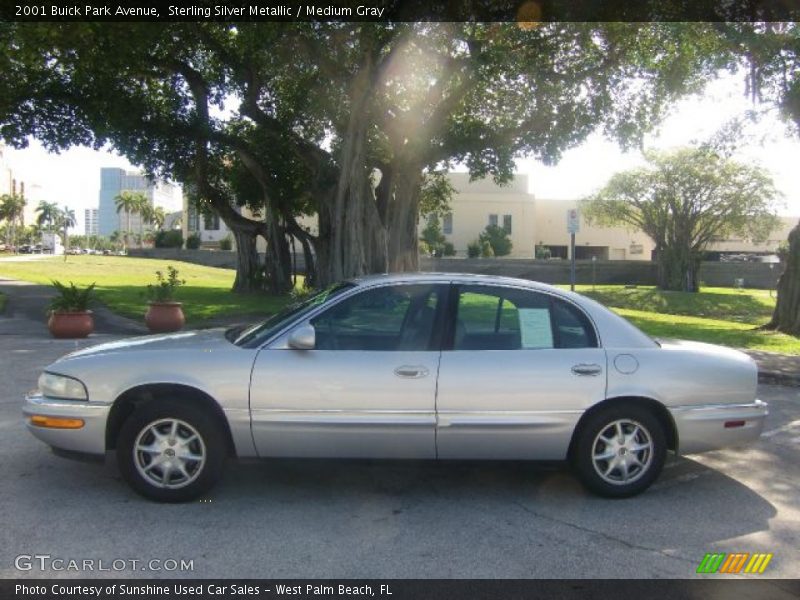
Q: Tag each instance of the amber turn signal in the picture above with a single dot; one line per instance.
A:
(56, 422)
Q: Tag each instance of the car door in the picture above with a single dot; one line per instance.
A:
(366, 389)
(518, 370)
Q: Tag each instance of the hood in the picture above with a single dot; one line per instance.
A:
(202, 340)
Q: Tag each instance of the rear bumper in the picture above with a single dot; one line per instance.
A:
(88, 439)
(711, 426)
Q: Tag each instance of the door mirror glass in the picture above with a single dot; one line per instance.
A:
(303, 338)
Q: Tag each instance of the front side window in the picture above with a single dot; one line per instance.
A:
(494, 318)
(388, 318)
(255, 335)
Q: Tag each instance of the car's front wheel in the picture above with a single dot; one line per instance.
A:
(620, 451)
(171, 451)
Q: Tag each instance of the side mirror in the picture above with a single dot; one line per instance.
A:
(303, 338)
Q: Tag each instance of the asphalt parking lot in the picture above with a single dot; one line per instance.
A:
(293, 518)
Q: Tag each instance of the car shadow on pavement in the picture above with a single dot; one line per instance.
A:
(690, 504)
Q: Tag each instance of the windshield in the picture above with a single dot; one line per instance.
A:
(255, 334)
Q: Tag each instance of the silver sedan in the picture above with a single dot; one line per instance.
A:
(433, 366)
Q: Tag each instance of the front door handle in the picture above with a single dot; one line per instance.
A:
(587, 369)
(411, 371)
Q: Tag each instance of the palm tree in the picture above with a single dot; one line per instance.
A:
(12, 207)
(146, 211)
(66, 219)
(131, 203)
(158, 217)
(47, 215)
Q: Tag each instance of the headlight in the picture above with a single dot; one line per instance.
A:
(60, 386)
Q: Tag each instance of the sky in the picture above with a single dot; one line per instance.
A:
(73, 177)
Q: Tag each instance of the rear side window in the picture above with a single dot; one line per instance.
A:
(496, 318)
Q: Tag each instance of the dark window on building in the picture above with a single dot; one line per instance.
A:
(447, 223)
(507, 223)
(493, 220)
(193, 220)
(211, 223)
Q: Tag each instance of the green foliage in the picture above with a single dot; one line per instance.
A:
(407, 97)
(436, 193)
(71, 298)
(169, 239)
(474, 249)
(165, 287)
(193, 241)
(423, 248)
(498, 240)
(448, 249)
(542, 252)
(486, 249)
(226, 243)
(432, 236)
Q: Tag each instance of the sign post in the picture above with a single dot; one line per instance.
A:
(573, 226)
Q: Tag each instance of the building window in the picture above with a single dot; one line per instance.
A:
(447, 223)
(493, 220)
(193, 220)
(507, 224)
(211, 222)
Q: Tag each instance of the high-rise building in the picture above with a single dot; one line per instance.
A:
(114, 181)
(90, 222)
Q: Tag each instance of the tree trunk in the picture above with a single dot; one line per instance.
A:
(277, 262)
(678, 270)
(356, 238)
(402, 211)
(786, 317)
(248, 270)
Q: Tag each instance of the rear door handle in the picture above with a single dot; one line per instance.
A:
(586, 369)
(411, 371)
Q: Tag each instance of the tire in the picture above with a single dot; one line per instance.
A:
(613, 470)
(171, 451)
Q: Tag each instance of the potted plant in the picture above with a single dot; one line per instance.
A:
(164, 313)
(69, 315)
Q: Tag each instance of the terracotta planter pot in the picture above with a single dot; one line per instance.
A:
(163, 317)
(70, 324)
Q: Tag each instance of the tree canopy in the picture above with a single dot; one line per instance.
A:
(684, 200)
(293, 119)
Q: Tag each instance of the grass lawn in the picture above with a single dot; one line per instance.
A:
(724, 316)
(122, 280)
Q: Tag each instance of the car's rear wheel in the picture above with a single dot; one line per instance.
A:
(171, 451)
(620, 451)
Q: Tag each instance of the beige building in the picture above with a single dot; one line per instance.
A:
(532, 221)
(10, 183)
(529, 221)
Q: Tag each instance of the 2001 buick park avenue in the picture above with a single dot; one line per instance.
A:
(403, 366)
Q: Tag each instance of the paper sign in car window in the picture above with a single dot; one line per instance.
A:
(534, 325)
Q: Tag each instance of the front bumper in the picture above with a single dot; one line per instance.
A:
(89, 439)
(711, 426)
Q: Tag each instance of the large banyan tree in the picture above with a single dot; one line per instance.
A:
(347, 121)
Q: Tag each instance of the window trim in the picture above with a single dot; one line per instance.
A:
(452, 314)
